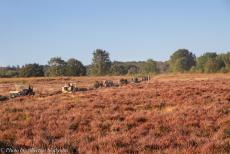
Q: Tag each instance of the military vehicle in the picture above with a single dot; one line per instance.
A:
(108, 83)
(69, 88)
(123, 82)
(98, 84)
(22, 90)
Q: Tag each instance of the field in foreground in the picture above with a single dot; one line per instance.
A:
(172, 114)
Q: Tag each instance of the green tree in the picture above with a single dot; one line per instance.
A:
(57, 67)
(181, 65)
(210, 62)
(182, 60)
(9, 71)
(226, 60)
(150, 66)
(211, 66)
(202, 60)
(101, 62)
(133, 70)
(163, 67)
(31, 70)
(118, 69)
(75, 68)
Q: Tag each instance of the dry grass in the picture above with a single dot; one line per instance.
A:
(181, 113)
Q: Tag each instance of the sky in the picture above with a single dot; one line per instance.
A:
(33, 31)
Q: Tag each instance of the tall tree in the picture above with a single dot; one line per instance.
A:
(182, 60)
(57, 67)
(75, 68)
(209, 62)
(150, 66)
(31, 70)
(202, 60)
(226, 60)
(211, 65)
(101, 62)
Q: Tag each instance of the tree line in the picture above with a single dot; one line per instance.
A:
(181, 60)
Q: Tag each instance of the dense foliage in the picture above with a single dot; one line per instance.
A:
(75, 68)
(9, 71)
(30, 70)
(59, 67)
(181, 60)
(101, 63)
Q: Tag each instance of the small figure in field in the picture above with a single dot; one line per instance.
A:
(135, 80)
(22, 90)
(145, 78)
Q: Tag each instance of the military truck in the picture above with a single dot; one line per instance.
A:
(69, 88)
(22, 90)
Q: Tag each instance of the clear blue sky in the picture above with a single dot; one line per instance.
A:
(35, 30)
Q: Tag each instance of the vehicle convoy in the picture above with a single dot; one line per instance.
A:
(22, 90)
(26, 90)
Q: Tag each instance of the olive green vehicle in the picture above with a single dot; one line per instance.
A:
(22, 90)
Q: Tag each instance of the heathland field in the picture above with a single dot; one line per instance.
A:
(181, 113)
